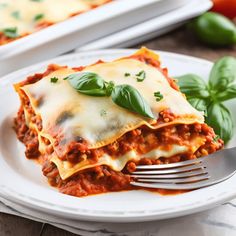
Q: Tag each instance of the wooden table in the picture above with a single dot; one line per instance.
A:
(178, 41)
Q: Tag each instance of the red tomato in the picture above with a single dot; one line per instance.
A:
(225, 7)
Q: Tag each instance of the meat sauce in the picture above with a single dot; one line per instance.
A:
(103, 179)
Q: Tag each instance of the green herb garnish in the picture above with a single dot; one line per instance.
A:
(10, 32)
(16, 15)
(103, 113)
(141, 76)
(128, 97)
(209, 97)
(124, 95)
(127, 74)
(158, 96)
(54, 79)
(88, 83)
(38, 17)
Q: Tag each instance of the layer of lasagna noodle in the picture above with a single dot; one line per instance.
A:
(28, 16)
(88, 145)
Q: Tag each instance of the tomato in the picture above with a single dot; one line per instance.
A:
(225, 7)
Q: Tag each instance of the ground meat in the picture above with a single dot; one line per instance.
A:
(96, 180)
(27, 136)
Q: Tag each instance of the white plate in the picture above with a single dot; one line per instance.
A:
(22, 182)
(79, 30)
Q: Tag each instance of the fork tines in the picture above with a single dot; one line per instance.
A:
(181, 175)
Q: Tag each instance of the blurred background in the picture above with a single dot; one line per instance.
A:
(201, 28)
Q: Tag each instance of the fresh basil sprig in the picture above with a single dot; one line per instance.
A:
(124, 95)
(195, 89)
(220, 119)
(193, 86)
(209, 97)
(222, 81)
(199, 104)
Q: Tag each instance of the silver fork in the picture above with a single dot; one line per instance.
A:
(191, 174)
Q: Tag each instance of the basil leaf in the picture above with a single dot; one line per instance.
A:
(219, 118)
(192, 86)
(199, 104)
(223, 74)
(226, 94)
(128, 97)
(207, 98)
(123, 95)
(88, 83)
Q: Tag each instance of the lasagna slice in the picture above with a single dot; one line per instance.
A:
(89, 144)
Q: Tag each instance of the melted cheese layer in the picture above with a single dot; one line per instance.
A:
(22, 13)
(66, 169)
(68, 115)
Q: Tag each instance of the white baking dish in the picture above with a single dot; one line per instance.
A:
(80, 30)
(150, 28)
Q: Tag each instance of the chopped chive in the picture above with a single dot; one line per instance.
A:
(38, 17)
(158, 96)
(10, 32)
(54, 79)
(127, 74)
(141, 76)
